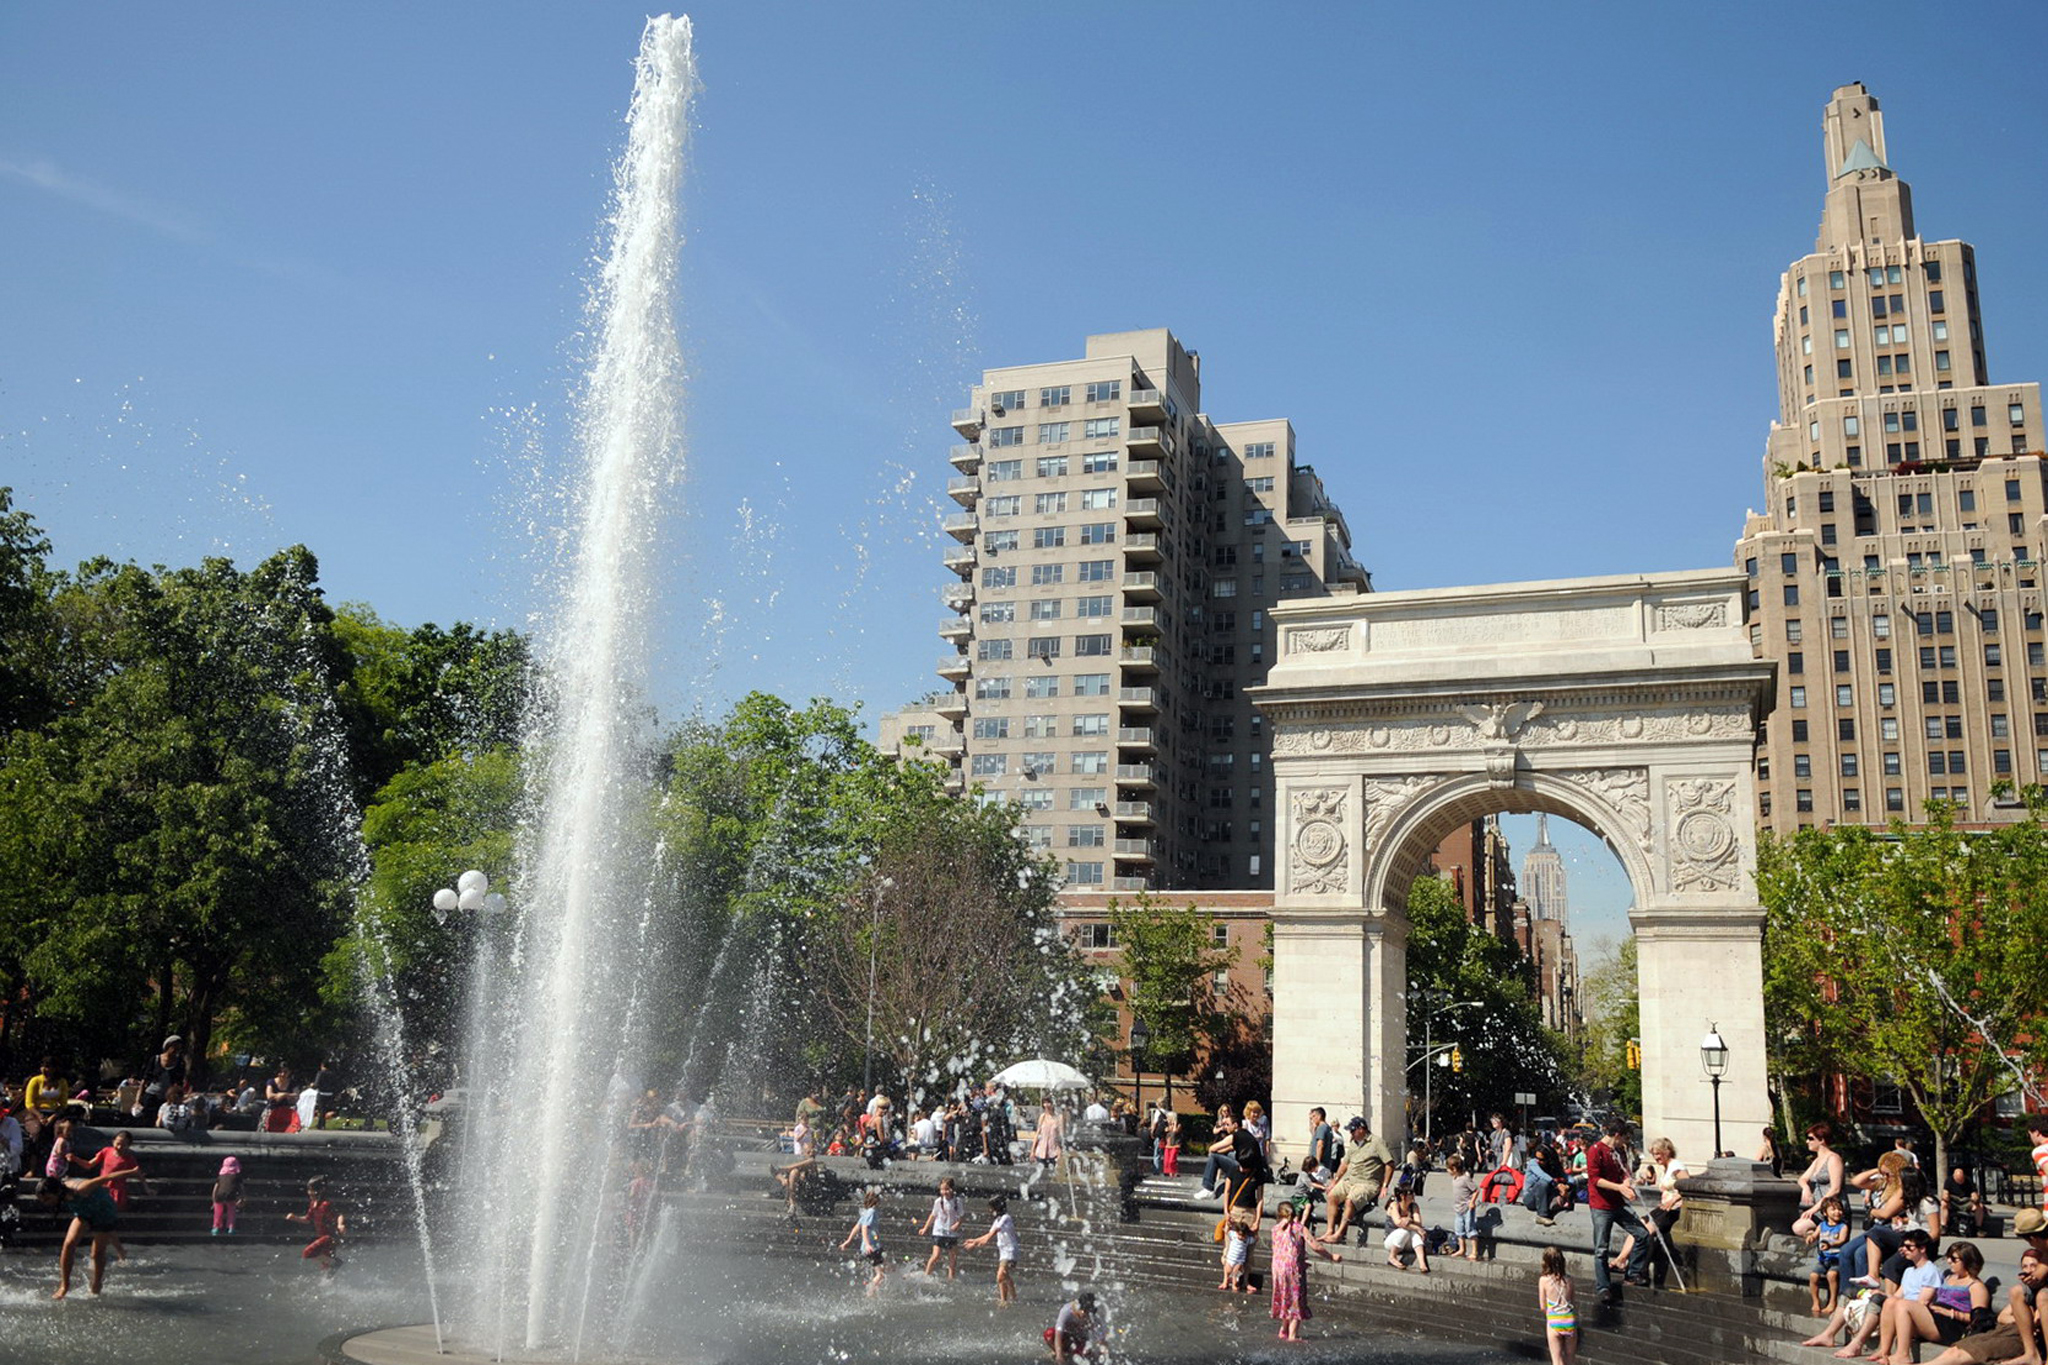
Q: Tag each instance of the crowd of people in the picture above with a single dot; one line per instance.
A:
(51, 1135)
(1889, 1286)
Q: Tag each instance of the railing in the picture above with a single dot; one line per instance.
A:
(1134, 810)
(1138, 696)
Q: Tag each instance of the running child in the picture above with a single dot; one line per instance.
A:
(1002, 1230)
(117, 1160)
(227, 1196)
(329, 1226)
(92, 1211)
(942, 1225)
(869, 1232)
(1560, 1311)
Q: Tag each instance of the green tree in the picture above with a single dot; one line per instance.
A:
(1911, 956)
(27, 625)
(1500, 1034)
(416, 696)
(1167, 956)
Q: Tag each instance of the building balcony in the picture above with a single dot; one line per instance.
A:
(1145, 476)
(1142, 512)
(1138, 698)
(1141, 587)
(956, 782)
(964, 491)
(1130, 883)
(947, 744)
(1135, 737)
(1137, 850)
(955, 629)
(1141, 618)
(953, 667)
(952, 706)
(967, 421)
(962, 526)
(1142, 547)
(1142, 657)
(960, 561)
(1146, 440)
(1148, 405)
(966, 459)
(1134, 812)
(1135, 775)
(958, 597)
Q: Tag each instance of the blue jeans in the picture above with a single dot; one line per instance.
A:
(1536, 1183)
(1605, 1221)
(1218, 1161)
(1855, 1261)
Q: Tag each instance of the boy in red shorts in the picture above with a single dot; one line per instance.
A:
(329, 1226)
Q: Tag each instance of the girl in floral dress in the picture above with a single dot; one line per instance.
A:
(1291, 1248)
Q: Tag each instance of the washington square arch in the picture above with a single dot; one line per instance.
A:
(1628, 704)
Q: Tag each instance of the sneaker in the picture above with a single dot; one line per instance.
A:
(216, 1232)
(1205, 1193)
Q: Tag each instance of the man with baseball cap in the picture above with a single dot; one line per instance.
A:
(1360, 1177)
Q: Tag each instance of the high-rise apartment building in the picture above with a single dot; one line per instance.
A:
(1543, 880)
(1895, 569)
(1118, 557)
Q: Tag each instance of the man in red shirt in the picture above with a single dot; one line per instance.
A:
(1610, 1194)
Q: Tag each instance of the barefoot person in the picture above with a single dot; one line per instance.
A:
(1002, 1230)
(92, 1213)
(1291, 1249)
(1080, 1331)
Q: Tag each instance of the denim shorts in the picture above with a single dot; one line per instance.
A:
(1468, 1223)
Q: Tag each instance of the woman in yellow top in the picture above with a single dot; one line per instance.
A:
(46, 1092)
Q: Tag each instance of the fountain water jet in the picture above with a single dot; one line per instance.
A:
(562, 1019)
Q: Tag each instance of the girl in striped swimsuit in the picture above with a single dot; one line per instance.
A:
(1560, 1315)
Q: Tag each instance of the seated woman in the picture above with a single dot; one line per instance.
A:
(1945, 1318)
(1406, 1233)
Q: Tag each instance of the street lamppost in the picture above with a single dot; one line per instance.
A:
(1714, 1058)
(1141, 1038)
(1429, 1054)
(882, 888)
(471, 892)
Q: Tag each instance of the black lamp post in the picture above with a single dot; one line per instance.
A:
(1141, 1038)
(1714, 1058)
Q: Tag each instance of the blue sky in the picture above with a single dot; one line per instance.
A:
(313, 275)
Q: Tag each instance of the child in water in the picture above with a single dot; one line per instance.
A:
(866, 1227)
(329, 1226)
(942, 1225)
(1002, 1230)
(92, 1213)
(1238, 1236)
(1560, 1312)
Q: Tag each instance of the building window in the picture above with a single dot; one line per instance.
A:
(1053, 433)
(1046, 504)
(994, 613)
(991, 689)
(1096, 571)
(1091, 646)
(1091, 684)
(1099, 462)
(992, 727)
(987, 650)
(1798, 695)
(1848, 765)
(1260, 450)
(1097, 499)
(990, 765)
(1105, 391)
(1099, 533)
(1852, 799)
(1044, 575)
(1094, 606)
(998, 437)
(1086, 798)
(1052, 466)
(1094, 762)
(1048, 537)
(1084, 874)
(1056, 397)
(1084, 836)
(1101, 428)
(1046, 609)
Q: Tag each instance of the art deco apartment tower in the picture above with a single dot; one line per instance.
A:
(1119, 554)
(1895, 571)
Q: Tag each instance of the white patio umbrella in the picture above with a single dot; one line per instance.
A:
(1040, 1073)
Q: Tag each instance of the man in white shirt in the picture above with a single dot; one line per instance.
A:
(1096, 1112)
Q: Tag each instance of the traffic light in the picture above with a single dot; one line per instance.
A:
(1457, 1059)
(1635, 1054)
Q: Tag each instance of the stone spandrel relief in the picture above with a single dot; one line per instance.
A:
(1383, 798)
(1320, 861)
(1705, 853)
(1627, 792)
